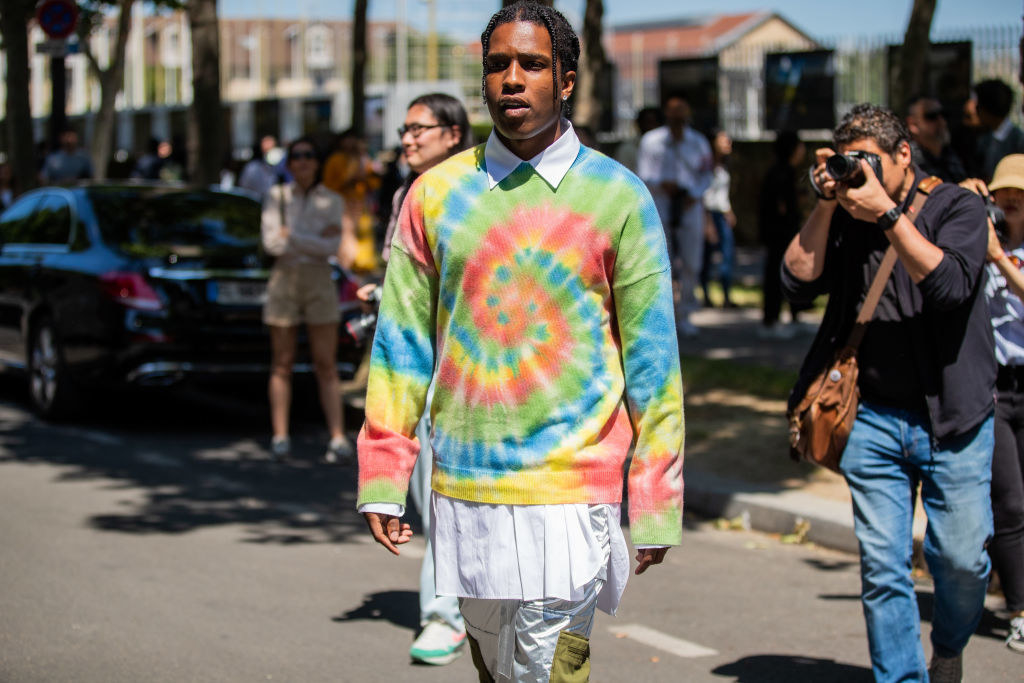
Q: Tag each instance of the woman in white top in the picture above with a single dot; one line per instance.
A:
(1004, 291)
(721, 220)
(302, 227)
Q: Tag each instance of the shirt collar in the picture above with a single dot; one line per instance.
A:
(551, 164)
(1003, 130)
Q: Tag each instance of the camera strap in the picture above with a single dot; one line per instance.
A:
(874, 295)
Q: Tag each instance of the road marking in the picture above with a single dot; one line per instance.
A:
(662, 641)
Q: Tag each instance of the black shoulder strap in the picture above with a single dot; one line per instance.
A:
(867, 309)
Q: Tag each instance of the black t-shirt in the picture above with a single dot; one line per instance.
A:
(886, 358)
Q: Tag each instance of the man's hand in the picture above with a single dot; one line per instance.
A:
(975, 185)
(388, 530)
(824, 181)
(647, 557)
(867, 202)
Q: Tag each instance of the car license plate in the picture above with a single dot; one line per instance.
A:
(235, 293)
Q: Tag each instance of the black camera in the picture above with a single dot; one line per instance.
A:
(998, 218)
(361, 326)
(845, 168)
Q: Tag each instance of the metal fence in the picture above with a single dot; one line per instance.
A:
(861, 74)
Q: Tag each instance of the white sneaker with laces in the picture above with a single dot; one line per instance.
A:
(438, 643)
(1015, 641)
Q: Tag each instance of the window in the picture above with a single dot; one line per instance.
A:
(13, 220)
(51, 223)
(40, 219)
(319, 47)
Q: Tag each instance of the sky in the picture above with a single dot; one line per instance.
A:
(818, 18)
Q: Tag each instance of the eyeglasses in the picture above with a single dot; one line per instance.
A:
(415, 129)
(295, 156)
(934, 115)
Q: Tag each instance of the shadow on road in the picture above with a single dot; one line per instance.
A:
(401, 608)
(788, 668)
(191, 460)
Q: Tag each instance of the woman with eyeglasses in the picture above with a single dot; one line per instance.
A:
(435, 128)
(302, 227)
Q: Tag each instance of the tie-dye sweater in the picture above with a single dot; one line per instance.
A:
(546, 315)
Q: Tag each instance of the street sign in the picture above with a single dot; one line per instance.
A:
(57, 18)
(54, 48)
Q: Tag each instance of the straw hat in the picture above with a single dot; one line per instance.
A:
(1009, 173)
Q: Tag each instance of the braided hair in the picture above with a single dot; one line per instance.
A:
(565, 46)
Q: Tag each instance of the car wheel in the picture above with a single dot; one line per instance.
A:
(50, 389)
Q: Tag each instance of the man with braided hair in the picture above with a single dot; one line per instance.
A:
(529, 282)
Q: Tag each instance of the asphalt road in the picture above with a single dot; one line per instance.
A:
(155, 541)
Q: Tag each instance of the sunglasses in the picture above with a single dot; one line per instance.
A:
(295, 156)
(415, 129)
(934, 115)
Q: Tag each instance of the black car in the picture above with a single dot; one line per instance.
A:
(139, 285)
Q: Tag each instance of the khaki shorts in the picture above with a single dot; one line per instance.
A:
(301, 294)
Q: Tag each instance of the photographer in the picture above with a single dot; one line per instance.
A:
(926, 382)
(1004, 292)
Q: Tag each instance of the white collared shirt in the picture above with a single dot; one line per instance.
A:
(551, 164)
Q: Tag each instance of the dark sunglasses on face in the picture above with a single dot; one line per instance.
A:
(934, 115)
(295, 156)
(415, 129)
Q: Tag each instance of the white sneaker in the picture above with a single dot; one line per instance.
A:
(1015, 641)
(438, 643)
(339, 452)
(280, 448)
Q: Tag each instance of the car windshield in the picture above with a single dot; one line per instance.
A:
(144, 221)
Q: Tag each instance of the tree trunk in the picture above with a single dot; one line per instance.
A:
(911, 78)
(206, 143)
(14, 15)
(587, 103)
(111, 81)
(359, 68)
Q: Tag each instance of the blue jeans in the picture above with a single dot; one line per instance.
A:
(889, 452)
(726, 245)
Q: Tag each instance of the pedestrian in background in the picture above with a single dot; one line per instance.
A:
(994, 100)
(302, 228)
(675, 162)
(350, 172)
(1005, 292)
(647, 119)
(528, 282)
(721, 221)
(926, 121)
(68, 162)
(259, 173)
(436, 127)
(779, 218)
(926, 380)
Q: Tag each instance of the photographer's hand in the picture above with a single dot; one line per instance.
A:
(822, 179)
(867, 202)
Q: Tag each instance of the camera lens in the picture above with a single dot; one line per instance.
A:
(839, 166)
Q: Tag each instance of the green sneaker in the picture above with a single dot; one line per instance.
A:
(438, 643)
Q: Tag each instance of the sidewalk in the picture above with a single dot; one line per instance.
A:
(737, 462)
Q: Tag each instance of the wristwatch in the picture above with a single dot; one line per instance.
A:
(889, 218)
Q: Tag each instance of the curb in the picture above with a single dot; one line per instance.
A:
(772, 510)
